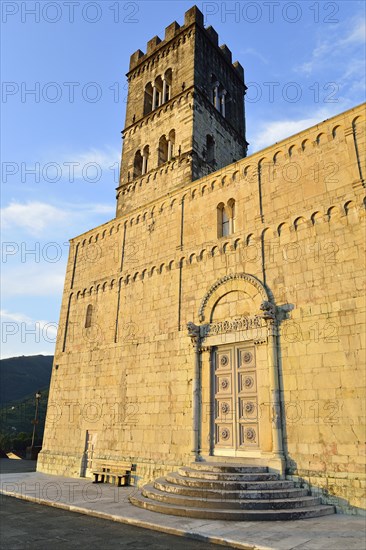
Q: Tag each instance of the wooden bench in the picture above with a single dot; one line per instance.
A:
(118, 473)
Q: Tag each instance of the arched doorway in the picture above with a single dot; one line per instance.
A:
(236, 365)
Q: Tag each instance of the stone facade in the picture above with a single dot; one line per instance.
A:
(271, 367)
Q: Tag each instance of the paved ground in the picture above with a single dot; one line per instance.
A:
(25, 525)
(336, 532)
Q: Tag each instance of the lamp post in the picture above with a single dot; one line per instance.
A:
(35, 421)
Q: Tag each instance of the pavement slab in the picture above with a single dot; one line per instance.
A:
(108, 502)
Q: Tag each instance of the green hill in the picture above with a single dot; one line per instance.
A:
(20, 379)
(22, 376)
(16, 417)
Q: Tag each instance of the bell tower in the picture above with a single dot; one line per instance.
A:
(185, 112)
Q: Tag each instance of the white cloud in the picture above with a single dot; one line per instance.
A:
(272, 132)
(34, 216)
(16, 317)
(105, 158)
(21, 318)
(98, 208)
(255, 53)
(34, 280)
(80, 165)
(337, 47)
(22, 335)
(356, 34)
(37, 218)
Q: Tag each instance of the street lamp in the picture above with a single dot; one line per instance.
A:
(35, 421)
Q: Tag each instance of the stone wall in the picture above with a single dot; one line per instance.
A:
(300, 230)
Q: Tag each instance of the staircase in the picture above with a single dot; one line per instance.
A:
(229, 492)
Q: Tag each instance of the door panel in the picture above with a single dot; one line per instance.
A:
(224, 404)
(236, 407)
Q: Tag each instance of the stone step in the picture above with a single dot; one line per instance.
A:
(236, 515)
(248, 485)
(163, 485)
(226, 476)
(222, 467)
(151, 492)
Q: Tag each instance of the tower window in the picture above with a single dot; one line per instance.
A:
(219, 96)
(158, 93)
(148, 98)
(210, 149)
(137, 164)
(89, 315)
(163, 150)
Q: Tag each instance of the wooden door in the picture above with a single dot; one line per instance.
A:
(235, 394)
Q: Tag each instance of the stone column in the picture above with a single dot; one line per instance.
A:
(170, 150)
(216, 95)
(269, 316)
(223, 104)
(194, 333)
(164, 90)
(207, 403)
(144, 164)
(275, 391)
(154, 98)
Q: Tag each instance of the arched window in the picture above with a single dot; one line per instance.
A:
(215, 92)
(137, 164)
(171, 144)
(88, 317)
(219, 96)
(210, 149)
(148, 98)
(163, 150)
(226, 218)
(145, 159)
(159, 92)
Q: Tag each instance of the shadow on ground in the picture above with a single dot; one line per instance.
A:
(13, 465)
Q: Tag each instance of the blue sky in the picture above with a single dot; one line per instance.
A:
(304, 62)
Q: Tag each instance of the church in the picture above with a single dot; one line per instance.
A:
(214, 328)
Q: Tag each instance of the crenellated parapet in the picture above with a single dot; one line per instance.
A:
(192, 17)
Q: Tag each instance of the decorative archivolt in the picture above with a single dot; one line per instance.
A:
(236, 281)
